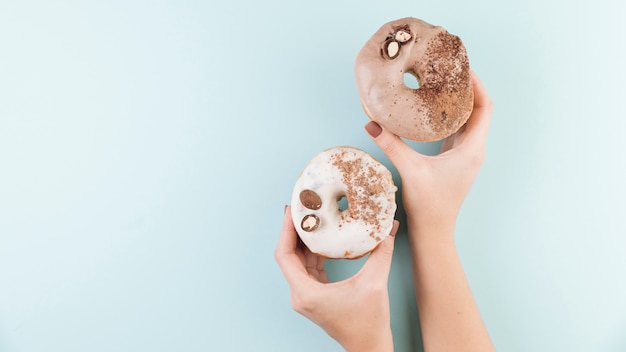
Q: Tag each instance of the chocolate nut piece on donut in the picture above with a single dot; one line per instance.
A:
(444, 100)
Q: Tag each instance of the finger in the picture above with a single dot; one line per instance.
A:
(478, 124)
(481, 98)
(288, 236)
(449, 142)
(378, 264)
(314, 264)
(396, 150)
(286, 251)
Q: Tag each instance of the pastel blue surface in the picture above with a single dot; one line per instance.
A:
(147, 150)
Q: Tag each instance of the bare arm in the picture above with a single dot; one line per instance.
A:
(434, 189)
(449, 316)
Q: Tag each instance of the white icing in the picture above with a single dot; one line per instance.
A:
(339, 234)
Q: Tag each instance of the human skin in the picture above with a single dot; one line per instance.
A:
(433, 190)
(355, 311)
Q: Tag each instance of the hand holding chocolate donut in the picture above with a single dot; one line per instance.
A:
(434, 187)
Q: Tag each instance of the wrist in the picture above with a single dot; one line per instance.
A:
(439, 228)
(379, 343)
(431, 213)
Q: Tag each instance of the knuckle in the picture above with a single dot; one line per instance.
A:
(277, 255)
(377, 290)
(302, 303)
(380, 291)
(389, 146)
(386, 247)
(477, 158)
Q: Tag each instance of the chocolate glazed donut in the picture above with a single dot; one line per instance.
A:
(444, 100)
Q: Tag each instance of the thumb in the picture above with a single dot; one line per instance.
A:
(395, 148)
(379, 262)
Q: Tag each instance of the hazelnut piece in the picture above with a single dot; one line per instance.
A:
(310, 199)
(391, 49)
(310, 223)
(403, 36)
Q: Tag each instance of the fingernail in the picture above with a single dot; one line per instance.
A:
(285, 210)
(373, 129)
(395, 228)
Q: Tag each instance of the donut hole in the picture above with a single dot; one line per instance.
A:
(411, 80)
(342, 202)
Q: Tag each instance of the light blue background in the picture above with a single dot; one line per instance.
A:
(147, 149)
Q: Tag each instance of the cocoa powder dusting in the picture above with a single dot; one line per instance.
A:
(361, 189)
(445, 88)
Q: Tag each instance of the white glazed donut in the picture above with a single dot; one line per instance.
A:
(368, 186)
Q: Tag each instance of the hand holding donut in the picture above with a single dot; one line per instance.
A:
(449, 103)
(434, 187)
(355, 311)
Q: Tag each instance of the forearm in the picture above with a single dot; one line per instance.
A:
(448, 313)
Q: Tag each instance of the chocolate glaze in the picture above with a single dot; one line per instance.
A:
(444, 100)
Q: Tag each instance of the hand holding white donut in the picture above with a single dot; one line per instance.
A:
(355, 312)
